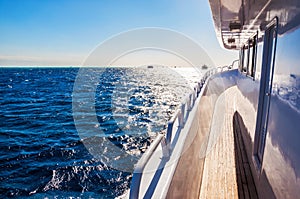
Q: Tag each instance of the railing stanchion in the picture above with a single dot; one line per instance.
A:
(169, 132)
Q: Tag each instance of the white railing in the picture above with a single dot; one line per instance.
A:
(180, 117)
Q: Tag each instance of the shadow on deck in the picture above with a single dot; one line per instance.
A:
(245, 182)
(227, 172)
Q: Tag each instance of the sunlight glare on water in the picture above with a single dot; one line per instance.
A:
(40, 144)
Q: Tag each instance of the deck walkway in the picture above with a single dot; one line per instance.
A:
(227, 173)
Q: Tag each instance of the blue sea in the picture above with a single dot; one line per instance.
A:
(48, 134)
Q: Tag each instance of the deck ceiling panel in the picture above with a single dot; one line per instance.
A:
(237, 20)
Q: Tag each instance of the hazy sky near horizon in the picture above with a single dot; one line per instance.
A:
(64, 32)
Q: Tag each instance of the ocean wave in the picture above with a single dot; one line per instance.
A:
(42, 152)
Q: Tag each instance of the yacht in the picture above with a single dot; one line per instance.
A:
(237, 135)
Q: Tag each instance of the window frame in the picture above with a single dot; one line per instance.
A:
(248, 55)
(245, 59)
(241, 61)
(266, 81)
(252, 43)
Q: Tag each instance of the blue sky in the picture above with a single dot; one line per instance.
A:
(63, 32)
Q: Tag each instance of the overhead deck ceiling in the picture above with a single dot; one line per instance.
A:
(237, 20)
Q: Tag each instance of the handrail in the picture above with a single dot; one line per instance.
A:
(234, 61)
(165, 139)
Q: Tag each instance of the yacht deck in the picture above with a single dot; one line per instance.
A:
(227, 172)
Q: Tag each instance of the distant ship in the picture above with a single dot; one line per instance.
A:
(238, 134)
(149, 66)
